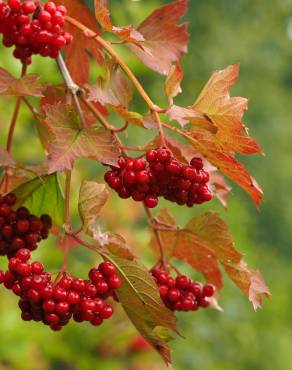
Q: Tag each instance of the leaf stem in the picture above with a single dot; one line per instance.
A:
(71, 86)
(158, 238)
(68, 175)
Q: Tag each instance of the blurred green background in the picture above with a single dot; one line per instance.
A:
(258, 33)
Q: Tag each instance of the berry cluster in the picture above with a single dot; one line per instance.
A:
(160, 176)
(182, 294)
(20, 229)
(55, 304)
(33, 30)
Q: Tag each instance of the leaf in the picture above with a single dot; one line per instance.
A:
(72, 142)
(92, 198)
(114, 89)
(127, 33)
(42, 196)
(221, 188)
(165, 41)
(77, 58)
(27, 85)
(6, 159)
(173, 81)
(188, 115)
(141, 301)
(203, 243)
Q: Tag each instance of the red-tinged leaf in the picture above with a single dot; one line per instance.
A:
(92, 197)
(165, 40)
(221, 188)
(72, 142)
(203, 243)
(141, 301)
(57, 94)
(215, 152)
(173, 81)
(188, 115)
(77, 59)
(27, 85)
(114, 90)
(131, 117)
(6, 159)
(127, 33)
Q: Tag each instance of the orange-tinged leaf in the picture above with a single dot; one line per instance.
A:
(221, 188)
(92, 197)
(215, 152)
(173, 81)
(204, 243)
(77, 59)
(165, 41)
(141, 301)
(27, 85)
(72, 142)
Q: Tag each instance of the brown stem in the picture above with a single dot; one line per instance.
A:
(158, 238)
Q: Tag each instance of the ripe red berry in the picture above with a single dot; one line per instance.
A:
(209, 290)
(107, 269)
(114, 282)
(106, 312)
(151, 201)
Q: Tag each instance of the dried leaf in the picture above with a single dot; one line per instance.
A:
(92, 198)
(6, 159)
(173, 81)
(165, 41)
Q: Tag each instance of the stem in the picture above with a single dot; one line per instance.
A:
(71, 86)
(67, 198)
(158, 238)
(14, 117)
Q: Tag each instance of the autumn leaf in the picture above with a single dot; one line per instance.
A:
(172, 84)
(72, 142)
(6, 159)
(127, 33)
(92, 197)
(27, 85)
(77, 58)
(42, 195)
(141, 301)
(113, 90)
(204, 243)
(165, 41)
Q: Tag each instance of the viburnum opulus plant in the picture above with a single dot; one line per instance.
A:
(192, 150)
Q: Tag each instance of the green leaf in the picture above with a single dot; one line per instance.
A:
(141, 301)
(42, 196)
(92, 198)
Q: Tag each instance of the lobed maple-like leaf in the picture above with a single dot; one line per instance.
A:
(141, 301)
(42, 195)
(165, 41)
(204, 243)
(92, 197)
(71, 142)
(27, 85)
(77, 58)
(126, 33)
(114, 89)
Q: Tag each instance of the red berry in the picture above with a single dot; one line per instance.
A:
(173, 295)
(114, 282)
(62, 308)
(37, 268)
(139, 164)
(28, 7)
(23, 254)
(151, 155)
(107, 268)
(151, 201)
(49, 305)
(182, 282)
(209, 290)
(106, 312)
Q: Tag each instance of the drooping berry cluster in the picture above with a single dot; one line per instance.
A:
(160, 176)
(182, 294)
(20, 229)
(56, 304)
(33, 30)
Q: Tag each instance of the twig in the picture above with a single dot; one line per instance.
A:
(72, 87)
